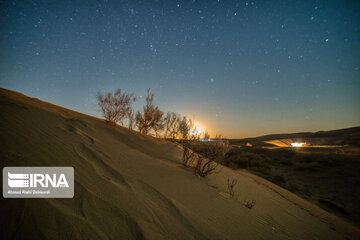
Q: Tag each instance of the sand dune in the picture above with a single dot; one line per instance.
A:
(131, 186)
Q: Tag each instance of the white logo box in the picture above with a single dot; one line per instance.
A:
(38, 182)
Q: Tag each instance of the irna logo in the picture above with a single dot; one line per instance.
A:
(38, 182)
(18, 180)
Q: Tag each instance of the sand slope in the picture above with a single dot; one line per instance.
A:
(130, 186)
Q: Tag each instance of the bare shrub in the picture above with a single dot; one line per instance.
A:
(230, 186)
(151, 118)
(188, 156)
(185, 127)
(206, 135)
(250, 204)
(205, 166)
(210, 154)
(131, 119)
(188, 141)
(171, 124)
(215, 149)
(247, 159)
(115, 107)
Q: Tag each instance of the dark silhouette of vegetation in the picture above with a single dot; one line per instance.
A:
(205, 166)
(185, 126)
(230, 186)
(151, 118)
(206, 135)
(210, 153)
(172, 121)
(215, 149)
(250, 204)
(206, 154)
(131, 119)
(115, 107)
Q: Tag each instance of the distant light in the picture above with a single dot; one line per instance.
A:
(196, 130)
(297, 144)
(206, 140)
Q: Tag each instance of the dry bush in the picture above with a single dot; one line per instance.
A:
(188, 156)
(250, 204)
(131, 119)
(115, 107)
(205, 166)
(245, 159)
(151, 118)
(214, 150)
(206, 135)
(184, 127)
(172, 121)
(230, 186)
(206, 154)
(209, 155)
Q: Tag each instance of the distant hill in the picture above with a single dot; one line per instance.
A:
(347, 136)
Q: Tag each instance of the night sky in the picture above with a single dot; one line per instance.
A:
(240, 68)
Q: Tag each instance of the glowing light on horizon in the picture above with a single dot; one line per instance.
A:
(297, 144)
(196, 130)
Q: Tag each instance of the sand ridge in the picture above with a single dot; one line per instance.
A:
(131, 186)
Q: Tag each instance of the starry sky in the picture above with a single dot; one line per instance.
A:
(240, 68)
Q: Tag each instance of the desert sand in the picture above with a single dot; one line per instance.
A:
(131, 186)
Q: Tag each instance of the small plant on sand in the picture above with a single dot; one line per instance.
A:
(188, 140)
(205, 161)
(171, 124)
(204, 166)
(230, 186)
(115, 107)
(250, 204)
(185, 125)
(188, 156)
(214, 149)
(151, 118)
